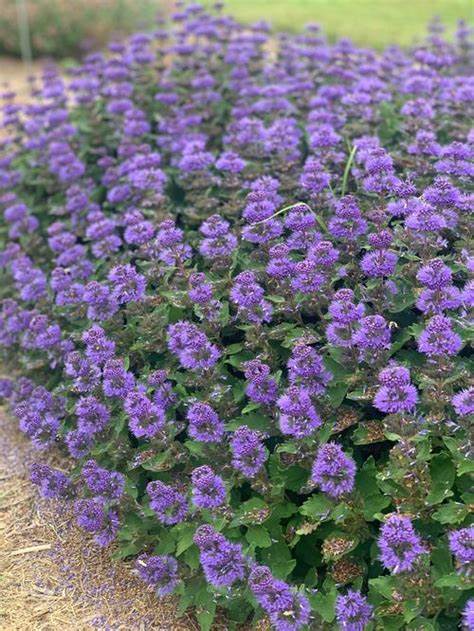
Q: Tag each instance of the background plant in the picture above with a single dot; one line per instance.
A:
(60, 28)
(236, 290)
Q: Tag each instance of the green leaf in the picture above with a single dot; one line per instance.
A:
(252, 420)
(254, 511)
(258, 536)
(454, 580)
(451, 513)
(205, 610)
(278, 558)
(366, 484)
(184, 538)
(318, 507)
(324, 604)
(443, 474)
(385, 586)
(337, 393)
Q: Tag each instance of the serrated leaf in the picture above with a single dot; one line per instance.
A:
(258, 536)
(451, 513)
(278, 558)
(324, 604)
(317, 507)
(184, 538)
(366, 484)
(442, 474)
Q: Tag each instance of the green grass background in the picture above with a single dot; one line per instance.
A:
(367, 22)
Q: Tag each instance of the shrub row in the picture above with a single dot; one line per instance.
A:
(235, 283)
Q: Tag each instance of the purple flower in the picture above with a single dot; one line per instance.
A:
(468, 615)
(307, 278)
(333, 471)
(461, 544)
(463, 402)
(261, 388)
(287, 609)
(92, 415)
(435, 275)
(169, 246)
(109, 485)
(118, 382)
(6, 388)
(169, 505)
(51, 482)
(306, 368)
(98, 347)
(396, 393)
(348, 223)
(93, 516)
(163, 395)
(438, 338)
(192, 347)
(400, 547)
(343, 309)
(204, 423)
(379, 263)
(218, 242)
(146, 419)
(297, 415)
(161, 572)
(373, 334)
(221, 560)
(101, 304)
(247, 295)
(353, 612)
(85, 375)
(128, 285)
(248, 452)
(208, 488)
(79, 442)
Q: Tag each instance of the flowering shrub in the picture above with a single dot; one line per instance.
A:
(236, 289)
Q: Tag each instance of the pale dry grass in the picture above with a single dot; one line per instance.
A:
(52, 577)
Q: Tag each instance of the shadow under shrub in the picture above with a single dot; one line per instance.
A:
(236, 289)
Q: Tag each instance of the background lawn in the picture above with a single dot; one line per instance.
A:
(367, 22)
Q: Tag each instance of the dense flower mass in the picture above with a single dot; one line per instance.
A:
(237, 289)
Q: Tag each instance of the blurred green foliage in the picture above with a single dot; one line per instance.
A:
(69, 28)
(374, 23)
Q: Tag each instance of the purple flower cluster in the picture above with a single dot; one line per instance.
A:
(248, 451)
(169, 505)
(287, 609)
(160, 572)
(461, 544)
(396, 393)
(51, 482)
(261, 388)
(192, 347)
(399, 544)
(353, 612)
(333, 471)
(222, 561)
(208, 488)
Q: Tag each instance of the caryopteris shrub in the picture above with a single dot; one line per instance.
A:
(236, 289)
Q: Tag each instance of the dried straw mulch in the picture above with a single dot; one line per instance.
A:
(51, 575)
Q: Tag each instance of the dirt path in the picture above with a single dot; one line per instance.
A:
(15, 73)
(52, 577)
